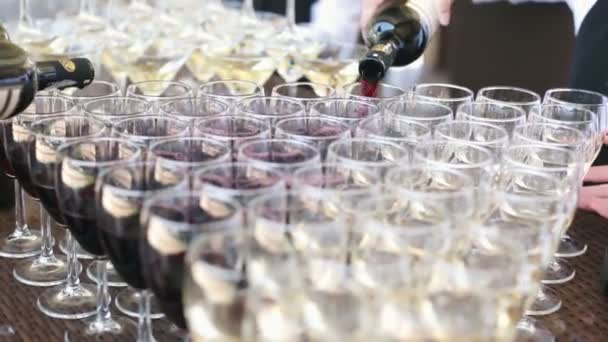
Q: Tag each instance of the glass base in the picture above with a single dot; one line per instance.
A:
(532, 330)
(42, 271)
(69, 302)
(114, 280)
(17, 245)
(546, 302)
(116, 328)
(7, 330)
(570, 248)
(558, 272)
(127, 302)
(80, 252)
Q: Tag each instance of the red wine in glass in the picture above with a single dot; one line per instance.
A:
(369, 88)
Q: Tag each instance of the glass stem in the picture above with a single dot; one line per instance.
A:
(144, 326)
(24, 13)
(248, 8)
(21, 228)
(103, 295)
(73, 280)
(291, 14)
(47, 234)
(85, 7)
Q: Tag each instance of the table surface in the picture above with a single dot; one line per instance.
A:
(583, 316)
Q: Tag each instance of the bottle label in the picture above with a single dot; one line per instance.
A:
(67, 64)
(384, 48)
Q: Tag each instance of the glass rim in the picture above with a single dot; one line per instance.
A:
(467, 190)
(125, 99)
(101, 180)
(62, 151)
(46, 119)
(111, 85)
(533, 197)
(346, 128)
(449, 113)
(323, 166)
(550, 92)
(472, 105)
(257, 89)
(278, 182)
(332, 91)
(580, 141)
(538, 98)
(246, 118)
(184, 127)
(517, 163)
(314, 109)
(196, 102)
(399, 118)
(248, 100)
(420, 153)
(304, 145)
(219, 271)
(71, 106)
(405, 153)
(158, 144)
(188, 89)
(348, 88)
(504, 138)
(470, 94)
(594, 117)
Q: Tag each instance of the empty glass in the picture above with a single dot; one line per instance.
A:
(392, 128)
(519, 97)
(449, 95)
(317, 131)
(159, 92)
(349, 112)
(582, 99)
(306, 92)
(229, 91)
(270, 109)
(194, 108)
(492, 137)
(497, 114)
(426, 113)
(109, 110)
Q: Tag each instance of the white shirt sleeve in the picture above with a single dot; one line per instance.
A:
(337, 19)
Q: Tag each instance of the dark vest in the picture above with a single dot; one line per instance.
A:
(590, 69)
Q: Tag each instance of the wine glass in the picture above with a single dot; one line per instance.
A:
(232, 131)
(307, 93)
(395, 129)
(202, 63)
(270, 109)
(159, 92)
(316, 131)
(23, 242)
(170, 222)
(582, 99)
(148, 129)
(248, 62)
(111, 109)
(423, 112)
(376, 156)
(86, 21)
(229, 92)
(449, 95)
(493, 138)
(47, 269)
(588, 123)
(185, 154)
(159, 60)
(518, 97)
(497, 114)
(79, 164)
(336, 65)
(283, 155)
(384, 93)
(72, 300)
(121, 192)
(190, 110)
(350, 112)
(25, 32)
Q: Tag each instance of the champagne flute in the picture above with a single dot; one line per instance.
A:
(449, 95)
(519, 97)
(72, 300)
(423, 112)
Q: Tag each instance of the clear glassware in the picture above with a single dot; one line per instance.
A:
(283, 155)
(293, 43)
(192, 109)
(148, 129)
(564, 165)
(229, 92)
(158, 92)
(384, 93)
(350, 112)
(426, 113)
(232, 130)
(120, 204)
(86, 21)
(109, 110)
(336, 65)
(47, 269)
(80, 163)
(248, 62)
(519, 97)
(588, 123)
(171, 221)
(307, 93)
(449, 95)
(23, 242)
(497, 114)
(25, 32)
(582, 99)
(72, 300)
(373, 155)
(478, 162)
(492, 137)
(270, 109)
(393, 128)
(317, 131)
(159, 60)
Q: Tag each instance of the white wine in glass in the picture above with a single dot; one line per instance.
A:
(336, 65)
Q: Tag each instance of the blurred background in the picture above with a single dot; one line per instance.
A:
(527, 45)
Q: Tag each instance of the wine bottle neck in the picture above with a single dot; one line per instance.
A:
(64, 73)
(375, 64)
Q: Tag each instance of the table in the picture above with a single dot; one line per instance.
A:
(583, 316)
